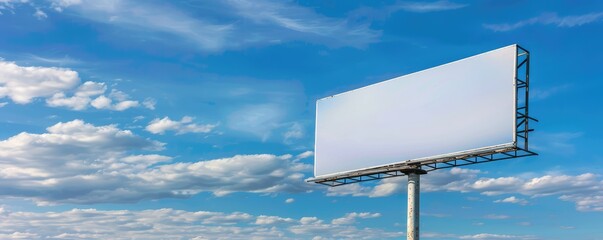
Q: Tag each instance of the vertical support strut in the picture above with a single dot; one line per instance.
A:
(414, 190)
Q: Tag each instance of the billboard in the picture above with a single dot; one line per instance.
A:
(463, 107)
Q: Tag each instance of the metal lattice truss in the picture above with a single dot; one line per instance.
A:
(520, 149)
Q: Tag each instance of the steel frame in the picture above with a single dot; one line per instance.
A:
(520, 148)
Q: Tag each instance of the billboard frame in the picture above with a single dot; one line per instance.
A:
(520, 147)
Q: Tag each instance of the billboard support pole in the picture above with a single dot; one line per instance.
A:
(414, 191)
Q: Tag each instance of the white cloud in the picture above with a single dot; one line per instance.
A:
(350, 218)
(39, 14)
(60, 61)
(497, 236)
(77, 162)
(407, 6)
(305, 154)
(423, 7)
(101, 102)
(295, 131)
(259, 120)
(149, 103)
(454, 179)
(58, 5)
(238, 23)
(173, 224)
(548, 19)
(289, 200)
(513, 199)
(496, 217)
(271, 220)
(9, 5)
(289, 21)
(23, 84)
(558, 142)
(19, 235)
(585, 190)
(123, 105)
(82, 98)
(2, 104)
(185, 125)
(544, 93)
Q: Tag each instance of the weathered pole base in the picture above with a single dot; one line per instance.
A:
(414, 187)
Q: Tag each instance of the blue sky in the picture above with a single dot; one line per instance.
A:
(195, 119)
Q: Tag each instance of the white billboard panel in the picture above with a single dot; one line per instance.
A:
(457, 108)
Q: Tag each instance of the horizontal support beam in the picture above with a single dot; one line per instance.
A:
(428, 166)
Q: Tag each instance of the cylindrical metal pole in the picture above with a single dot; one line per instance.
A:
(412, 226)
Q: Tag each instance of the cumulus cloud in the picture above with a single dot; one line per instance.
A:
(77, 162)
(173, 224)
(454, 179)
(289, 200)
(585, 190)
(185, 125)
(351, 217)
(513, 199)
(84, 94)
(271, 220)
(81, 98)
(548, 19)
(40, 15)
(23, 84)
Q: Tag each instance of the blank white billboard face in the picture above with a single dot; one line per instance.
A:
(459, 107)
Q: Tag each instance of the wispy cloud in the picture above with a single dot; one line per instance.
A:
(544, 93)
(144, 17)
(55, 61)
(9, 5)
(423, 7)
(238, 23)
(407, 6)
(260, 120)
(548, 19)
(285, 21)
(558, 142)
